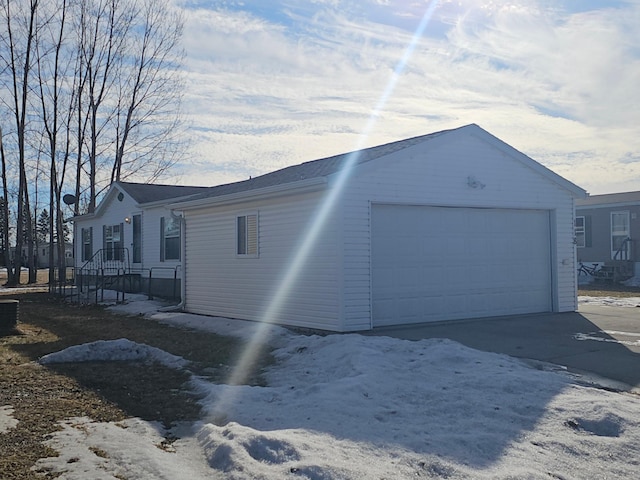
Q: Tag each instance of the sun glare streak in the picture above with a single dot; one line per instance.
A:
(248, 358)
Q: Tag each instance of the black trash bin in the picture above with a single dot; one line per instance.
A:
(8, 316)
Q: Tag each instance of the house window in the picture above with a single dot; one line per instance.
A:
(170, 239)
(87, 243)
(579, 232)
(112, 242)
(620, 232)
(247, 235)
(137, 239)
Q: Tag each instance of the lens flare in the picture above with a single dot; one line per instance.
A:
(247, 360)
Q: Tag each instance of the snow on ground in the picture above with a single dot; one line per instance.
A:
(7, 422)
(360, 407)
(610, 301)
(114, 350)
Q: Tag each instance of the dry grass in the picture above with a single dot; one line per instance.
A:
(107, 391)
(42, 277)
(103, 391)
(608, 290)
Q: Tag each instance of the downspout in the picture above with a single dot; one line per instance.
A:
(183, 248)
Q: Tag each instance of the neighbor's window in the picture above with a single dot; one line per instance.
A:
(112, 242)
(580, 231)
(170, 238)
(620, 231)
(247, 235)
(87, 240)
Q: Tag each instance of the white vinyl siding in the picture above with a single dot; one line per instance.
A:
(114, 212)
(332, 288)
(436, 174)
(221, 283)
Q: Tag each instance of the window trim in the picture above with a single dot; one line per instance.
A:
(247, 237)
(84, 254)
(577, 230)
(627, 215)
(164, 237)
(112, 244)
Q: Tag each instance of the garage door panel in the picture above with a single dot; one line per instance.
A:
(434, 263)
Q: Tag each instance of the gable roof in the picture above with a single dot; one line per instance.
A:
(142, 193)
(609, 199)
(317, 169)
(309, 170)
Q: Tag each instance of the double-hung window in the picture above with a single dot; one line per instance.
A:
(580, 231)
(170, 238)
(112, 242)
(87, 244)
(247, 235)
(620, 232)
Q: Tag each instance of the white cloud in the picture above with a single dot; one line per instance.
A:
(264, 93)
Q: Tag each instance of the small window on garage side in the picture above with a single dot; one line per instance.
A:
(247, 235)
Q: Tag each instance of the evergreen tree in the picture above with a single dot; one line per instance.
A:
(42, 227)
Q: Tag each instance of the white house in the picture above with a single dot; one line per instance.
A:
(456, 224)
(132, 231)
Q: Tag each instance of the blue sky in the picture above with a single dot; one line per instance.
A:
(275, 83)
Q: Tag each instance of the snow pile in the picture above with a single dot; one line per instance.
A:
(610, 301)
(7, 422)
(113, 350)
(356, 407)
(131, 449)
(374, 407)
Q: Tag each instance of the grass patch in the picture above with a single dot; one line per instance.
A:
(41, 396)
(598, 289)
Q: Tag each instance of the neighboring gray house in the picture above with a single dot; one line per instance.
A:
(133, 232)
(607, 230)
(43, 254)
(455, 224)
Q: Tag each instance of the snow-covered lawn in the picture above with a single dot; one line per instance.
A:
(360, 407)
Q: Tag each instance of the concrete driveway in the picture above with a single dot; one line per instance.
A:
(601, 343)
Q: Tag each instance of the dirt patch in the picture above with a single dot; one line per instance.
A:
(608, 290)
(41, 396)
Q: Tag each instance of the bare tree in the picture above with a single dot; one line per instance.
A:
(5, 216)
(53, 72)
(19, 25)
(147, 118)
(93, 88)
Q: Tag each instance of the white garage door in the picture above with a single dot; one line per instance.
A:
(437, 263)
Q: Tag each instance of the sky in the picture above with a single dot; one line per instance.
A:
(341, 407)
(272, 83)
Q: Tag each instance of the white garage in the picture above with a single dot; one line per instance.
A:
(439, 263)
(452, 225)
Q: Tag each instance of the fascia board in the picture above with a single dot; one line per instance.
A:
(608, 205)
(291, 188)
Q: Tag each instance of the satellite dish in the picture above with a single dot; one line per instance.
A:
(69, 199)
